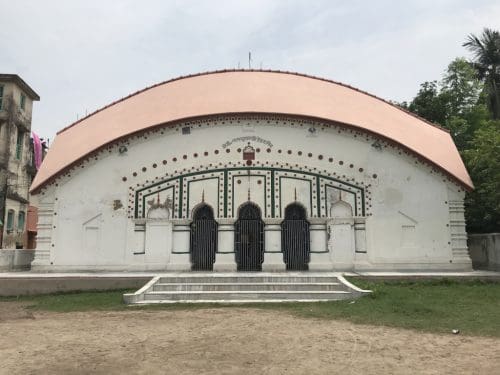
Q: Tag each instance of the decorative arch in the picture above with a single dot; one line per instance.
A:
(295, 211)
(249, 238)
(203, 239)
(203, 211)
(341, 209)
(296, 237)
(274, 177)
(249, 211)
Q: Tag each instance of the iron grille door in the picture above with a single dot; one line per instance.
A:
(295, 238)
(249, 238)
(203, 244)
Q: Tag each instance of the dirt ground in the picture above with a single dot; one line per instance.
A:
(226, 341)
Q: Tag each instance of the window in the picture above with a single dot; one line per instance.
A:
(20, 221)
(10, 220)
(19, 145)
(1, 96)
(23, 101)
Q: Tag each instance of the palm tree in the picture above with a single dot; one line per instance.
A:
(486, 62)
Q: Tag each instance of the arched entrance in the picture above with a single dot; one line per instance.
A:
(295, 238)
(203, 238)
(249, 238)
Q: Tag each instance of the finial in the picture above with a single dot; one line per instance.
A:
(203, 196)
(295, 195)
(249, 194)
(158, 198)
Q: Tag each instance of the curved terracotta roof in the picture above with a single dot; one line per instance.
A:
(250, 91)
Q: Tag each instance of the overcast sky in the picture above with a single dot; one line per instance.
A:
(81, 55)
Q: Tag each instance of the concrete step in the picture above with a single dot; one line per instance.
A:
(278, 286)
(255, 278)
(246, 295)
(245, 287)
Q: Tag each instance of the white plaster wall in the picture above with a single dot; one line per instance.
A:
(408, 218)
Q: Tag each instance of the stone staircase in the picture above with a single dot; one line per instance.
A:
(245, 288)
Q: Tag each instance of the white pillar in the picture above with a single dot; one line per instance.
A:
(460, 252)
(44, 241)
(180, 257)
(273, 257)
(225, 257)
(341, 243)
(158, 243)
(320, 257)
(360, 235)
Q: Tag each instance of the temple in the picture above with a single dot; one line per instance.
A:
(251, 171)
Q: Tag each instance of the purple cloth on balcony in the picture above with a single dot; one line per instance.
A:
(37, 148)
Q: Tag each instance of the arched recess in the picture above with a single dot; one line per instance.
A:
(249, 238)
(341, 209)
(295, 237)
(203, 245)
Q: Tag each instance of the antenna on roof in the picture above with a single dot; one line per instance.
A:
(249, 60)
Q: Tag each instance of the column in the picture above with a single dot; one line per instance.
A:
(460, 252)
(158, 243)
(225, 257)
(320, 257)
(341, 243)
(180, 256)
(273, 257)
(46, 222)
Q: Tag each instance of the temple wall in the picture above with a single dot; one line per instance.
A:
(404, 213)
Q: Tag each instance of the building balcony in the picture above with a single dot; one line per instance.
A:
(14, 195)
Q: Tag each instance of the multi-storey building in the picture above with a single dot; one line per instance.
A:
(17, 166)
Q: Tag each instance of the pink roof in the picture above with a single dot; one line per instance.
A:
(247, 91)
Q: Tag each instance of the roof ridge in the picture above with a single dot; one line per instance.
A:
(250, 71)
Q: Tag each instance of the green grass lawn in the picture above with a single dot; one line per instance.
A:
(473, 307)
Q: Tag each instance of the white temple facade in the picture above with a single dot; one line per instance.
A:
(250, 171)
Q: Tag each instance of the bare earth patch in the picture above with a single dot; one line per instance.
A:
(227, 341)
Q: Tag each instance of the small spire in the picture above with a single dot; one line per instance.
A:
(203, 196)
(158, 198)
(295, 195)
(249, 194)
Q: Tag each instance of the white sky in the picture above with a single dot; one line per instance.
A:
(82, 55)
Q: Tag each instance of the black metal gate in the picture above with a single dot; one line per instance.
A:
(203, 239)
(249, 238)
(295, 238)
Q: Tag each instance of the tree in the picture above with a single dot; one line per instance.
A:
(486, 62)
(429, 103)
(483, 162)
(458, 102)
(455, 102)
(460, 87)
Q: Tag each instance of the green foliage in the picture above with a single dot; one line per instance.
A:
(473, 307)
(465, 101)
(460, 88)
(483, 161)
(455, 102)
(486, 62)
(429, 103)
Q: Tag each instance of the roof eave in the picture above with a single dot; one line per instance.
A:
(21, 83)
